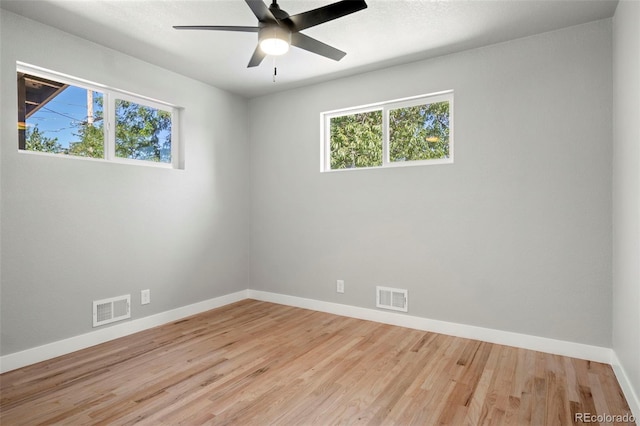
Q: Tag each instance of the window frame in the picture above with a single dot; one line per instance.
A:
(110, 95)
(385, 107)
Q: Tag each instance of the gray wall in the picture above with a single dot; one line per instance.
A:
(626, 189)
(516, 235)
(74, 231)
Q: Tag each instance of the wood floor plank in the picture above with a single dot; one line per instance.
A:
(258, 363)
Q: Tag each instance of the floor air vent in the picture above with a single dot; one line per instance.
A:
(110, 310)
(392, 298)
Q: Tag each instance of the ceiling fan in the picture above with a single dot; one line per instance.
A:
(277, 30)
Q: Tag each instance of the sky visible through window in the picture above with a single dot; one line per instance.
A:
(62, 116)
(72, 123)
(59, 117)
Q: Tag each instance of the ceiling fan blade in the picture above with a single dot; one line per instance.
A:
(326, 13)
(314, 46)
(217, 28)
(256, 58)
(261, 10)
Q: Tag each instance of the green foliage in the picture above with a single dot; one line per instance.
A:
(91, 142)
(36, 141)
(356, 140)
(419, 133)
(139, 131)
(90, 133)
(415, 133)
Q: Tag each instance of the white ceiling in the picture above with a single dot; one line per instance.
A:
(388, 32)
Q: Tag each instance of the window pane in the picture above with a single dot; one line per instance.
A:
(59, 118)
(142, 132)
(356, 140)
(419, 132)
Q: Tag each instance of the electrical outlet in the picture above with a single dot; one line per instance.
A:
(145, 297)
(340, 286)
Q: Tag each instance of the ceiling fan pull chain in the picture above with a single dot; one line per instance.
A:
(275, 70)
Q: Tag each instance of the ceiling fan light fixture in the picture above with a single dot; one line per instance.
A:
(274, 40)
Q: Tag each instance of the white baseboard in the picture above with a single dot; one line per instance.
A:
(542, 344)
(61, 347)
(633, 399)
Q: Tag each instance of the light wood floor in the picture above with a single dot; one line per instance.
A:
(260, 363)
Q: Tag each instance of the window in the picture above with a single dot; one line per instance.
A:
(411, 131)
(66, 116)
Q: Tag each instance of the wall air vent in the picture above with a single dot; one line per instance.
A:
(395, 299)
(111, 310)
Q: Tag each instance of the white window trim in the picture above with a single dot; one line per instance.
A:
(385, 107)
(109, 96)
